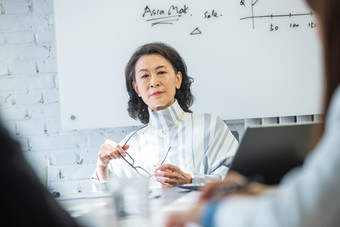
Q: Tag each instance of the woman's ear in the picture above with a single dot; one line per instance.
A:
(136, 88)
(178, 80)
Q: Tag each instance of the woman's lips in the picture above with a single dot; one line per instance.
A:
(156, 93)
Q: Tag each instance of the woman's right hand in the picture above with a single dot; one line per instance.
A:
(211, 191)
(108, 151)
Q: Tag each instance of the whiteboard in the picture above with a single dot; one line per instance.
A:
(248, 58)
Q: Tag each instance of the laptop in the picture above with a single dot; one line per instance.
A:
(269, 152)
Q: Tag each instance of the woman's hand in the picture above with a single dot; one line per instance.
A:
(108, 151)
(171, 176)
(215, 190)
(211, 192)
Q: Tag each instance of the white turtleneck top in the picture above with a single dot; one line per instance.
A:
(201, 144)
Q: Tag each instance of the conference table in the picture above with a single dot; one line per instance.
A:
(100, 209)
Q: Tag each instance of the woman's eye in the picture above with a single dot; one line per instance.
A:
(161, 72)
(145, 76)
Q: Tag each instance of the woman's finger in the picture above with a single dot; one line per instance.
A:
(172, 179)
(108, 152)
(166, 174)
(163, 184)
(172, 175)
(166, 167)
(173, 182)
(117, 148)
(114, 155)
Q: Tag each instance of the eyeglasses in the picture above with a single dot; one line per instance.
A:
(129, 160)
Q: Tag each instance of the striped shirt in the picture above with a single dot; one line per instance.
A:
(200, 144)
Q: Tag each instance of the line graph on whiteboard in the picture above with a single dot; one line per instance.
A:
(253, 17)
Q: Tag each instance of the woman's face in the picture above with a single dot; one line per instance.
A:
(156, 81)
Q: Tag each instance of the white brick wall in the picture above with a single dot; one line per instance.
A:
(29, 100)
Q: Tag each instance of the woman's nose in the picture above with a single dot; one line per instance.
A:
(154, 82)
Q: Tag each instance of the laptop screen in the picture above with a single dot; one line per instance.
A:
(271, 151)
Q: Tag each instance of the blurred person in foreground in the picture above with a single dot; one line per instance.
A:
(306, 197)
(25, 201)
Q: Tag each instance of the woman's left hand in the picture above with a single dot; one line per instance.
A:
(171, 176)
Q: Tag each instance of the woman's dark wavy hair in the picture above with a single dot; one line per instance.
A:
(136, 106)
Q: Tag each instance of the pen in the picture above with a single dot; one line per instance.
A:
(225, 189)
(231, 188)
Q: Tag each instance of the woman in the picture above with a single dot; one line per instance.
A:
(307, 197)
(174, 146)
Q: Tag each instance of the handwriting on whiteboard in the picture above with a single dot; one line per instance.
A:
(173, 14)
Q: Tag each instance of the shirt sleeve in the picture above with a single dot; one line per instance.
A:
(220, 147)
(97, 185)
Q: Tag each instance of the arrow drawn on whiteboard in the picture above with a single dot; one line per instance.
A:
(196, 31)
(164, 20)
